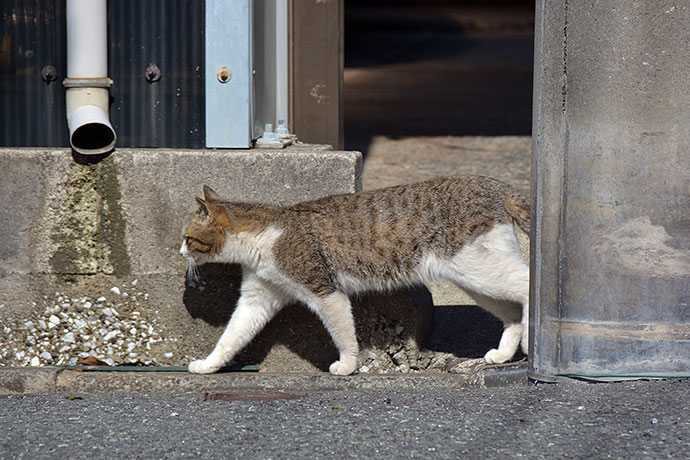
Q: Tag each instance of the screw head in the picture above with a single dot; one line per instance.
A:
(224, 75)
(153, 73)
(49, 73)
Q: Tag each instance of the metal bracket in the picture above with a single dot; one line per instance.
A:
(87, 82)
(279, 139)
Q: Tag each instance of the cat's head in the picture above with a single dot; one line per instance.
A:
(204, 234)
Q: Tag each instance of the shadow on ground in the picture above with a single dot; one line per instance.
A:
(465, 331)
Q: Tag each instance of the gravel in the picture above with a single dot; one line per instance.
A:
(109, 326)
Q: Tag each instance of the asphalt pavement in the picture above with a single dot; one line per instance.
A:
(630, 420)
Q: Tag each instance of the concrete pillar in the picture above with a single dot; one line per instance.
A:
(611, 189)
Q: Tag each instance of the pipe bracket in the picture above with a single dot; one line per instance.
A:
(87, 82)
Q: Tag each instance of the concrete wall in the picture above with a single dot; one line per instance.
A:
(611, 189)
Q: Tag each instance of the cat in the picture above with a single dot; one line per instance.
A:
(320, 252)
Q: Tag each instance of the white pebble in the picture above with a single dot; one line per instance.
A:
(168, 355)
(110, 335)
(54, 319)
(115, 289)
(35, 361)
(101, 298)
(69, 337)
(47, 356)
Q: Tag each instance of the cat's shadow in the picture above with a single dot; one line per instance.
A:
(466, 331)
(213, 298)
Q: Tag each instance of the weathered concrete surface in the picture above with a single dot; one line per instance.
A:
(611, 182)
(475, 373)
(123, 215)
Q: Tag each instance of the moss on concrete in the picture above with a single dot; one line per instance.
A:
(91, 231)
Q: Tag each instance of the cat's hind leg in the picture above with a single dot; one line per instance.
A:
(510, 313)
(491, 271)
(335, 311)
(258, 303)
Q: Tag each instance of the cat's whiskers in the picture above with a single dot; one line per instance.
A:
(192, 270)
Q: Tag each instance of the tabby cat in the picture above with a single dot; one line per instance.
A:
(321, 252)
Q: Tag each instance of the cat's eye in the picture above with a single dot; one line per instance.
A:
(191, 241)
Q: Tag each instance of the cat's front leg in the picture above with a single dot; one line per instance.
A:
(335, 312)
(258, 303)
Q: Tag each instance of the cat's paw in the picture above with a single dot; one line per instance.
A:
(494, 356)
(343, 367)
(202, 366)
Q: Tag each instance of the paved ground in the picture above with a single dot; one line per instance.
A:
(638, 420)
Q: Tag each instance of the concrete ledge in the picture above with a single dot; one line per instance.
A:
(57, 380)
(123, 214)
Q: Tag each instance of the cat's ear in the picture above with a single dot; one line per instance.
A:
(210, 195)
(203, 207)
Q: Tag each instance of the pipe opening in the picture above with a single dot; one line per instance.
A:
(90, 131)
(93, 138)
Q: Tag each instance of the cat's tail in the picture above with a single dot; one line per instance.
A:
(517, 208)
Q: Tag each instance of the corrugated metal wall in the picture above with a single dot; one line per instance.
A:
(32, 112)
(169, 34)
(166, 113)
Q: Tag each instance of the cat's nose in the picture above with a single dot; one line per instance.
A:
(183, 248)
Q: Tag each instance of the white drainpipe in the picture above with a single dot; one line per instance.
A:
(87, 82)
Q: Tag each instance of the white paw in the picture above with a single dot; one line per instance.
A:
(346, 367)
(494, 356)
(201, 366)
